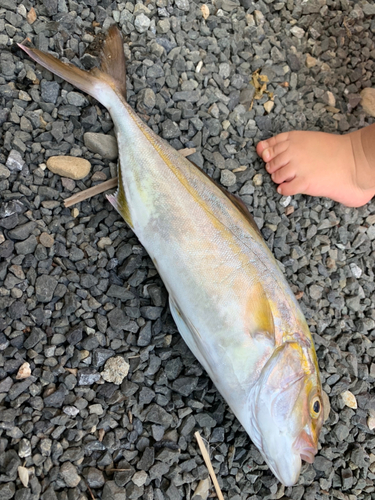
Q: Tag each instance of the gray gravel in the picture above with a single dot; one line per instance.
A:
(86, 291)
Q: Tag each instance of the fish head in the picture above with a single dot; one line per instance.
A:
(287, 409)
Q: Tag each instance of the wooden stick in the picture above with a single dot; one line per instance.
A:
(207, 460)
(105, 186)
(90, 192)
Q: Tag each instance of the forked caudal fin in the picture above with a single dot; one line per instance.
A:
(104, 84)
(97, 82)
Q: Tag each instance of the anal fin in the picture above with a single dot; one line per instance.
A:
(190, 335)
(119, 201)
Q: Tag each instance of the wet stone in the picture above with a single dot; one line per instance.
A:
(88, 376)
(49, 91)
(157, 415)
(17, 309)
(7, 491)
(227, 178)
(15, 161)
(170, 130)
(74, 336)
(101, 355)
(56, 399)
(117, 319)
(94, 477)
(142, 23)
(104, 145)
(44, 288)
(23, 231)
(113, 492)
(69, 474)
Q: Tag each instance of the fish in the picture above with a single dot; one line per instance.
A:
(228, 297)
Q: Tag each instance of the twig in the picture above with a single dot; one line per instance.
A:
(105, 186)
(91, 493)
(116, 470)
(90, 192)
(207, 460)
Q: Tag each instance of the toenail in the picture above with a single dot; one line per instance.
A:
(279, 190)
(266, 154)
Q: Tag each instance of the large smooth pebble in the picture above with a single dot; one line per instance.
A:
(69, 166)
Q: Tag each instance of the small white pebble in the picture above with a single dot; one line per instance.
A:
(297, 32)
(285, 201)
(258, 179)
(72, 411)
(259, 17)
(139, 478)
(23, 474)
(226, 124)
(104, 242)
(349, 399)
(24, 96)
(356, 271)
(371, 423)
(21, 10)
(24, 371)
(268, 106)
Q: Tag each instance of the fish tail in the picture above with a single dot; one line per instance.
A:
(106, 84)
(99, 82)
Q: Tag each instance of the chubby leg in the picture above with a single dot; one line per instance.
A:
(340, 167)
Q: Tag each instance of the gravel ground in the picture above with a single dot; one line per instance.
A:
(80, 300)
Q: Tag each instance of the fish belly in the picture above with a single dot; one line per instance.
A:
(208, 272)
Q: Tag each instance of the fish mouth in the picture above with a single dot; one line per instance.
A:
(305, 446)
(308, 455)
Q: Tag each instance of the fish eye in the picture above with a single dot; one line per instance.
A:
(315, 407)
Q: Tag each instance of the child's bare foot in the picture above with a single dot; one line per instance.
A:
(340, 167)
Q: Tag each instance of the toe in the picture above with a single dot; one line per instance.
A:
(296, 186)
(284, 174)
(281, 160)
(272, 151)
(261, 146)
(270, 143)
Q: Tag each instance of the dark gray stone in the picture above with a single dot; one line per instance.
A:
(49, 90)
(44, 287)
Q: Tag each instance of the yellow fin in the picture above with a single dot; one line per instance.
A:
(259, 314)
(119, 201)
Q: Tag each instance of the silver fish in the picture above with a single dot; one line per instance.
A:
(229, 299)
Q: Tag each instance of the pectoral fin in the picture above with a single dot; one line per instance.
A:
(259, 314)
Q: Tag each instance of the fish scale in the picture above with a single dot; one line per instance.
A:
(227, 295)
